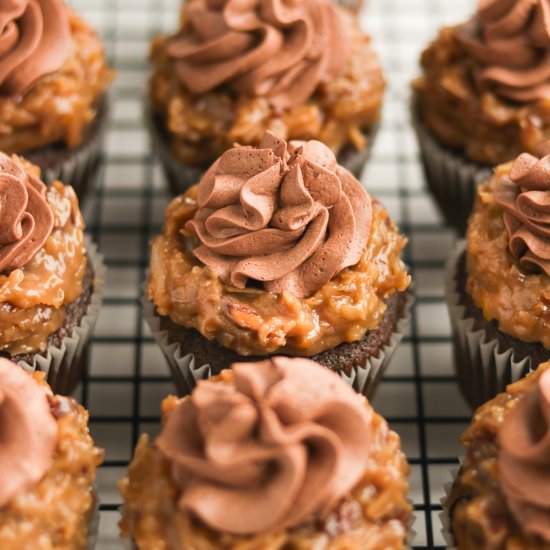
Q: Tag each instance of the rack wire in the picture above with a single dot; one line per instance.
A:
(128, 377)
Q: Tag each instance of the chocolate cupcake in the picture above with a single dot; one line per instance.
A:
(483, 98)
(501, 496)
(275, 454)
(311, 75)
(50, 279)
(48, 466)
(498, 288)
(278, 250)
(53, 81)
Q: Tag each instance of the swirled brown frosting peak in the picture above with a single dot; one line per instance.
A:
(279, 446)
(511, 40)
(288, 217)
(281, 50)
(28, 431)
(26, 218)
(35, 40)
(524, 459)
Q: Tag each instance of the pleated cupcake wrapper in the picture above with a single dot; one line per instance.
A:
(186, 372)
(446, 531)
(93, 525)
(64, 364)
(451, 178)
(180, 176)
(483, 368)
(82, 169)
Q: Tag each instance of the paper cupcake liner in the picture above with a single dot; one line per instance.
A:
(444, 514)
(451, 178)
(93, 525)
(186, 371)
(80, 168)
(180, 176)
(65, 364)
(482, 366)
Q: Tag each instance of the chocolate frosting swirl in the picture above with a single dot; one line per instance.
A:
(278, 49)
(524, 459)
(26, 218)
(279, 446)
(524, 196)
(511, 39)
(35, 39)
(28, 431)
(290, 219)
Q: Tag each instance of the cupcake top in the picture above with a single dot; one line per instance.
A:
(271, 235)
(35, 38)
(486, 83)
(508, 247)
(234, 70)
(53, 74)
(502, 492)
(282, 453)
(42, 255)
(47, 459)
(278, 447)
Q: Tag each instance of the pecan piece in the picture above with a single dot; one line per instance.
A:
(241, 315)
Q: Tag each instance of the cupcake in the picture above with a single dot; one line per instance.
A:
(483, 98)
(303, 70)
(278, 250)
(323, 470)
(50, 289)
(498, 283)
(47, 495)
(53, 81)
(501, 496)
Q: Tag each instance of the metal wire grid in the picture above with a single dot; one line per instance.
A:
(128, 377)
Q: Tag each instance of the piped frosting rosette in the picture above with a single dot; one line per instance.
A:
(269, 48)
(270, 451)
(524, 196)
(29, 431)
(524, 459)
(289, 219)
(35, 39)
(26, 218)
(511, 40)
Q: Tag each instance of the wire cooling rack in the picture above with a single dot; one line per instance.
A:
(128, 377)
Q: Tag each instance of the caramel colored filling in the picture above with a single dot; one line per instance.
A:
(60, 105)
(518, 300)
(480, 517)
(32, 299)
(374, 516)
(489, 129)
(55, 513)
(253, 321)
(203, 127)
